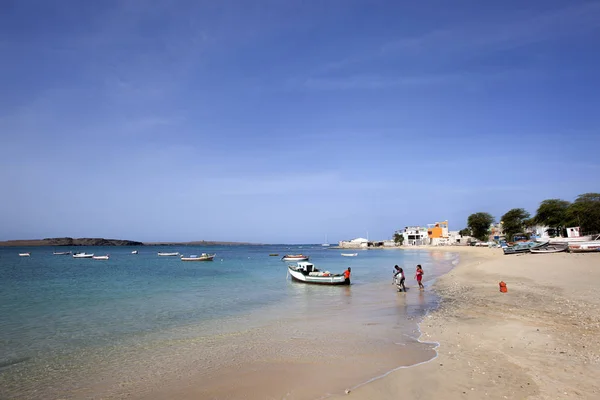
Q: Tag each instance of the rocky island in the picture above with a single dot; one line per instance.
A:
(67, 241)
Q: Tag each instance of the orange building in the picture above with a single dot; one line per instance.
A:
(439, 230)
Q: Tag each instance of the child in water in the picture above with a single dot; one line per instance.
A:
(399, 278)
(419, 276)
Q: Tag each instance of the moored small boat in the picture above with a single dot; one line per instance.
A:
(306, 272)
(134, 252)
(83, 255)
(349, 254)
(295, 257)
(273, 254)
(162, 254)
(24, 254)
(62, 253)
(202, 257)
(106, 257)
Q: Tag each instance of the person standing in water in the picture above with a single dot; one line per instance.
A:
(399, 278)
(347, 275)
(419, 276)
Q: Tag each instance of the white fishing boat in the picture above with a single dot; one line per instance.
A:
(24, 254)
(307, 273)
(349, 254)
(162, 254)
(134, 252)
(295, 257)
(202, 257)
(83, 255)
(586, 247)
(62, 253)
(106, 257)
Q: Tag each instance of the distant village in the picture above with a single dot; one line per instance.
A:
(438, 234)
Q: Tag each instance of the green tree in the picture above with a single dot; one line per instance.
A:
(513, 222)
(553, 214)
(479, 224)
(465, 232)
(585, 213)
(398, 238)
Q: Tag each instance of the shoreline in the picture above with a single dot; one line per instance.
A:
(506, 345)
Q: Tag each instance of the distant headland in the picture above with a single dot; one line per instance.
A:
(67, 241)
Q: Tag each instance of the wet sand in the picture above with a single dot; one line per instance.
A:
(541, 340)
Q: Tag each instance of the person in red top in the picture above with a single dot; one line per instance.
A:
(347, 275)
(419, 276)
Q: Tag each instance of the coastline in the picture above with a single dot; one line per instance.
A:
(540, 340)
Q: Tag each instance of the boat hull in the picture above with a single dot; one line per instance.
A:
(556, 248)
(584, 247)
(349, 254)
(83, 255)
(317, 280)
(100, 257)
(168, 254)
(295, 258)
(24, 255)
(202, 258)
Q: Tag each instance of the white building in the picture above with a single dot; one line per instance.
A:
(414, 236)
(357, 243)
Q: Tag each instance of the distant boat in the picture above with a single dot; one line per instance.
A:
(202, 257)
(100, 257)
(326, 244)
(295, 257)
(24, 255)
(62, 253)
(273, 254)
(307, 273)
(168, 254)
(349, 254)
(82, 255)
(134, 252)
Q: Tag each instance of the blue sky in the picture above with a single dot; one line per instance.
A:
(285, 121)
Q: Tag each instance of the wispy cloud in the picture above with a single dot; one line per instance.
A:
(570, 21)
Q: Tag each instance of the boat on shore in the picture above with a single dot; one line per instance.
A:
(349, 254)
(62, 253)
(83, 255)
(202, 257)
(306, 272)
(555, 240)
(294, 257)
(547, 248)
(24, 255)
(106, 257)
(520, 248)
(162, 254)
(590, 246)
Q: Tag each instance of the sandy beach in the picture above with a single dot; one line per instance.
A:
(541, 340)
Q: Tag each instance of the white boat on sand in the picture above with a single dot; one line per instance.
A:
(162, 254)
(349, 254)
(101, 257)
(307, 273)
(24, 254)
(83, 255)
(586, 247)
(295, 257)
(549, 248)
(202, 257)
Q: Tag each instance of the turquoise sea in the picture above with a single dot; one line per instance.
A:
(69, 327)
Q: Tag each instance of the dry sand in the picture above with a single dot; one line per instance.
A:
(541, 340)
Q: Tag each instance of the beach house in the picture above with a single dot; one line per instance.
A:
(414, 236)
(438, 233)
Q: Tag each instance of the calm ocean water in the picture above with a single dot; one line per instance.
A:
(58, 313)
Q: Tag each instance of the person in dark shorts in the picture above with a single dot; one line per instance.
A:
(399, 278)
(347, 275)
